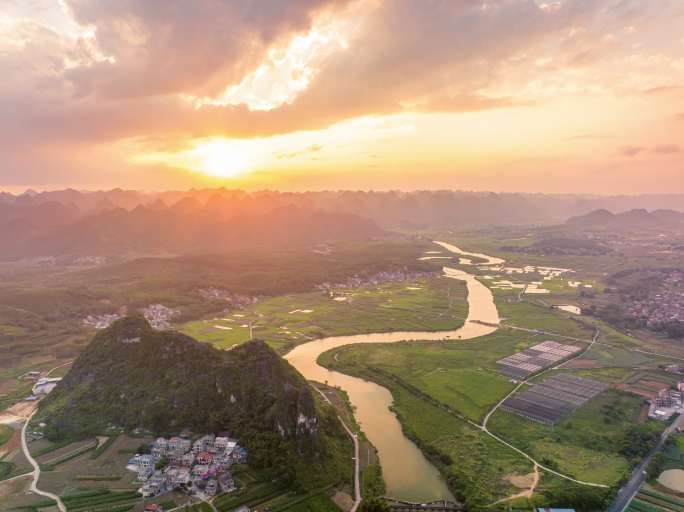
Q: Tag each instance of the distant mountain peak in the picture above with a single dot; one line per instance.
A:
(634, 218)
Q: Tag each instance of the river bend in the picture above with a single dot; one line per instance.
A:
(407, 473)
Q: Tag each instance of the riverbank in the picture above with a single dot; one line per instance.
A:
(407, 472)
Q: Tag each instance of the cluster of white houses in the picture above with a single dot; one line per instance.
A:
(201, 467)
(666, 403)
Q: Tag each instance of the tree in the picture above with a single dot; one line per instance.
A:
(656, 466)
(637, 441)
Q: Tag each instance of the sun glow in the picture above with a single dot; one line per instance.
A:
(216, 157)
(223, 159)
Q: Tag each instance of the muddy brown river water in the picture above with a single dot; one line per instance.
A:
(408, 474)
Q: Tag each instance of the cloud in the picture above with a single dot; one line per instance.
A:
(421, 56)
(173, 46)
(313, 148)
(666, 149)
(663, 149)
(630, 151)
(589, 136)
(663, 89)
(59, 90)
(463, 103)
(126, 81)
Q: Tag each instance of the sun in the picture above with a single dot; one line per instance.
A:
(223, 159)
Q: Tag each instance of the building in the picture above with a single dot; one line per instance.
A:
(239, 455)
(211, 488)
(666, 404)
(200, 468)
(226, 482)
(205, 458)
(144, 465)
(179, 445)
(45, 385)
(188, 459)
(223, 443)
(203, 444)
(179, 477)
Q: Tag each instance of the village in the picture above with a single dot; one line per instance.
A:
(158, 315)
(200, 468)
(661, 308)
(234, 300)
(395, 276)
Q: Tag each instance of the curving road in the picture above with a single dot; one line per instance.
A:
(36, 469)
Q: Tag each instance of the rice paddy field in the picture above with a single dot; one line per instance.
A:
(286, 321)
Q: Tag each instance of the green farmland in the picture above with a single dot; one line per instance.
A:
(426, 304)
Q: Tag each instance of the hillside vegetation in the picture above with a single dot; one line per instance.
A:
(133, 376)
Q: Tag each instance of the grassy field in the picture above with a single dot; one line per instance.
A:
(533, 314)
(5, 433)
(460, 374)
(425, 304)
(463, 376)
(474, 465)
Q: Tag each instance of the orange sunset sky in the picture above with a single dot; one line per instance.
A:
(510, 95)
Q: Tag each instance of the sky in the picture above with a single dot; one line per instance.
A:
(503, 95)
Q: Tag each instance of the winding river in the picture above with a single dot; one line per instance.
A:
(408, 474)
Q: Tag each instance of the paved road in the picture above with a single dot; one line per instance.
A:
(630, 489)
(36, 469)
(357, 469)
